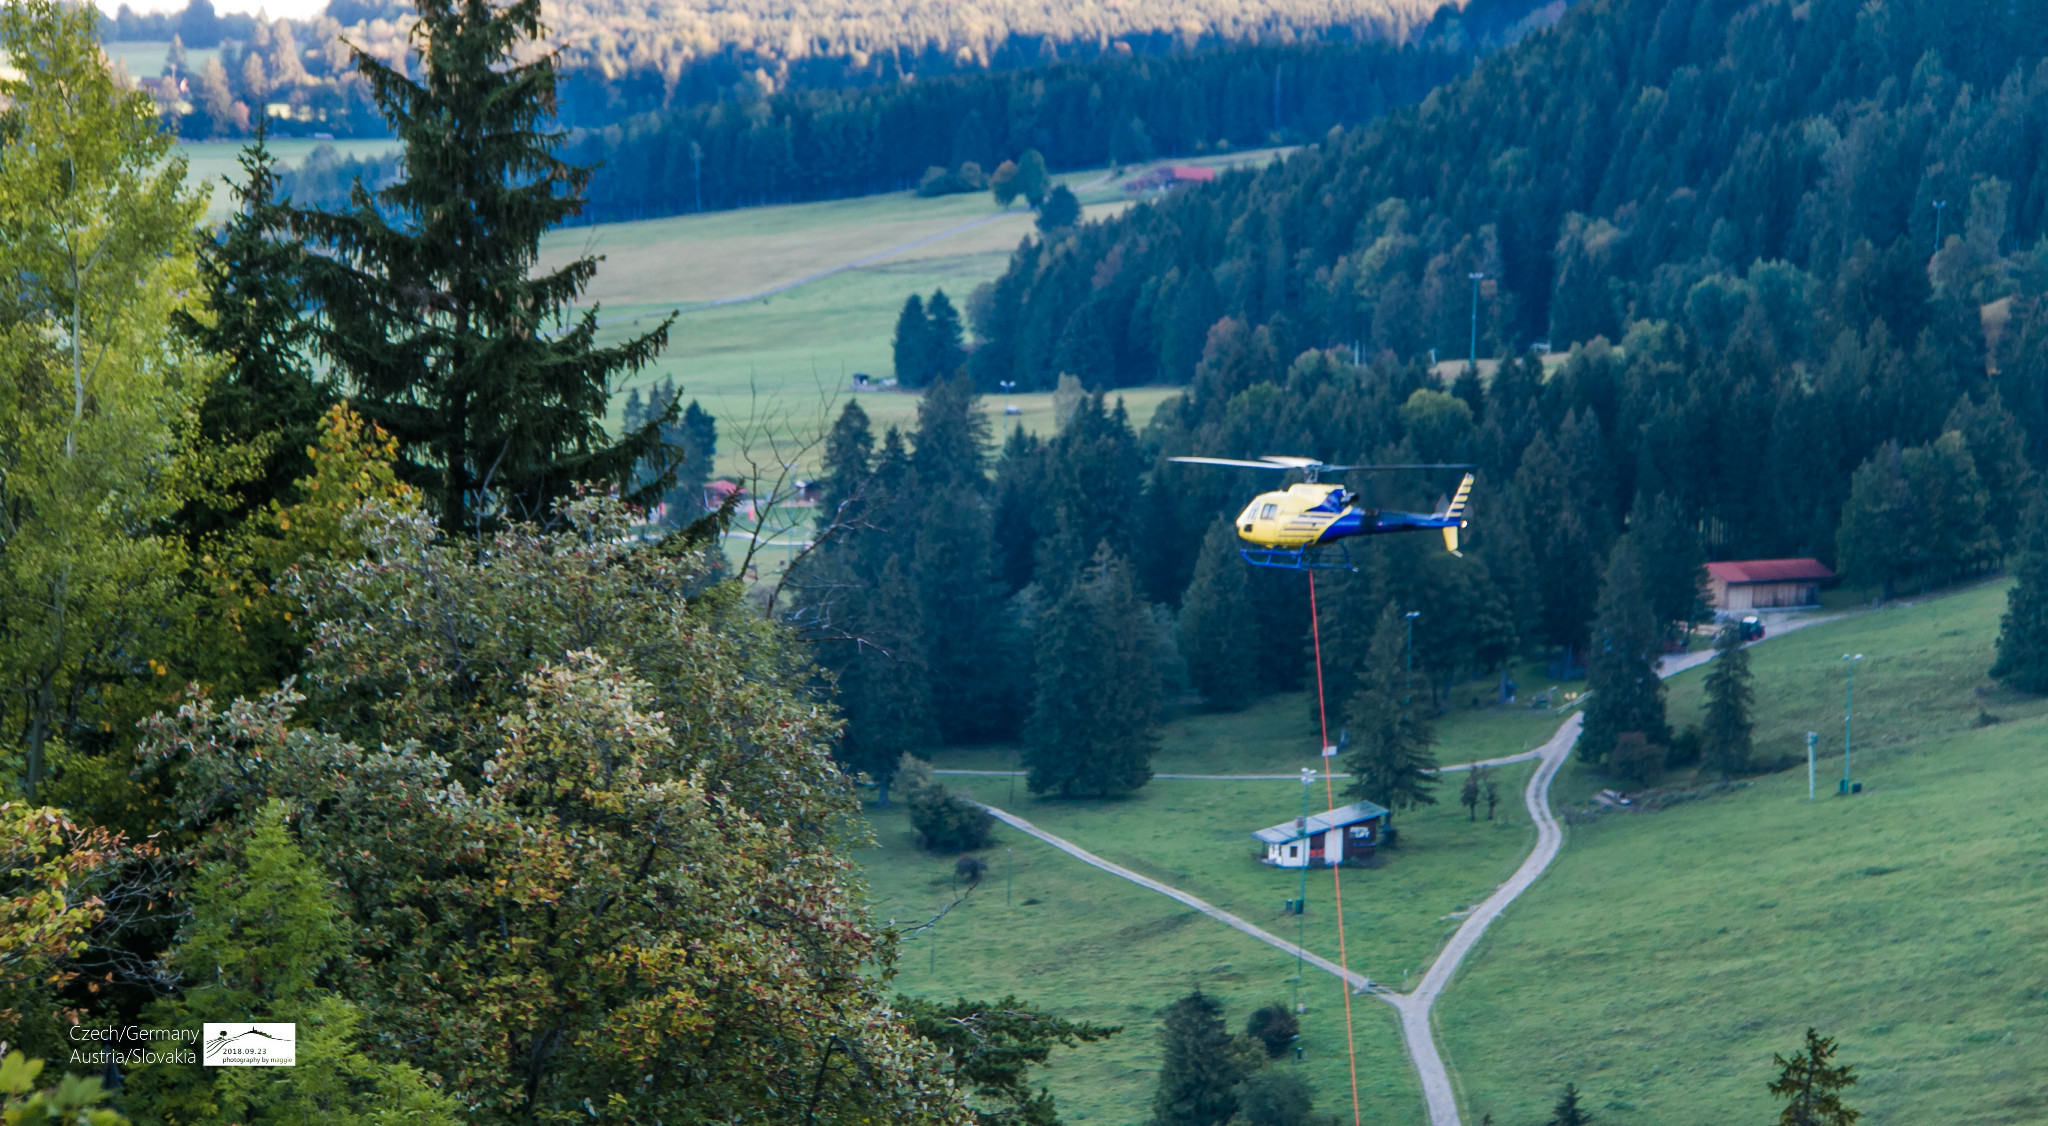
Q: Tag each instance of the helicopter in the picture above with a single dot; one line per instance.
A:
(1287, 527)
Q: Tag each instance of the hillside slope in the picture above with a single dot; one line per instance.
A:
(1667, 955)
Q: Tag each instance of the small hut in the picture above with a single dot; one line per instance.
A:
(1322, 840)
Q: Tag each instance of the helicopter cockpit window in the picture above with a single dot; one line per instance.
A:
(1266, 511)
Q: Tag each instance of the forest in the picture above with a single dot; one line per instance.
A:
(622, 60)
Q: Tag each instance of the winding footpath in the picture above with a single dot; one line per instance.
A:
(1417, 1031)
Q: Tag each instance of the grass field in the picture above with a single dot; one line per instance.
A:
(1094, 947)
(1668, 955)
(210, 163)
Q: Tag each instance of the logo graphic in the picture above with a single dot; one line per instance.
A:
(244, 1044)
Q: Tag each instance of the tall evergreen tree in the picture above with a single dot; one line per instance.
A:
(1811, 1085)
(972, 654)
(911, 350)
(1391, 759)
(1568, 1112)
(1020, 479)
(267, 395)
(947, 340)
(849, 459)
(1200, 1064)
(1726, 735)
(698, 437)
(884, 684)
(2023, 631)
(1621, 667)
(430, 304)
(1091, 731)
(1674, 563)
(1061, 211)
(1218, 632)
(952, 438)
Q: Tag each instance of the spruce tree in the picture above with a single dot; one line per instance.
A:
(884, 686)
(1811, 1086)
(697, 437)
(1674, 563)
(267, 395)
(912, 348)
(1391, 760)
(430, 304)
(2023, 632)
(946, 340)
(849, 459)
(1200, 1064)
(1727, 731)
(970, 649)
(1218, 632)
(1621, 668)
(1869, 547)
(1567, 1112)
(1096, 688)
(952, 438)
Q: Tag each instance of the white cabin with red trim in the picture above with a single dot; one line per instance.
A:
(1322, 840)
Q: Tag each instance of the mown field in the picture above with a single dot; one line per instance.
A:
(1088, 945)
(1667, 955)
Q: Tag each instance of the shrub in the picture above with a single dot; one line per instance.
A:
(1274, 1027)
(948, 821)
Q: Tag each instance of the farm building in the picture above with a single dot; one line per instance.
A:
(1742, 585)
(1325, 839)
(1162, 178)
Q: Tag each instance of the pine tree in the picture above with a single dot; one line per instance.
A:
(1218, 632)
(430, 305)
(1391, 761)
(947, 340)
(1471, 793)
(1621, 669)
(1567, 1112)
(952, 438)
(1200, 1064)
(266, 396)
(1868, 545)
(1727, 731)
(1674, 563)
(2023, 632)
(1091, 731)
(698, 437)
(971, 651)
(1811, 1086)
(884, 685)
(912, 349)
(849, 459)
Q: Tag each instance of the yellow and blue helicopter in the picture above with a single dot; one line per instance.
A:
(1287, 527)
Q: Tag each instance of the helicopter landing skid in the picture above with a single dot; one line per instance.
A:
(1307, 559)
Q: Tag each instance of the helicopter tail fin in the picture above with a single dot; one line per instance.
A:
(1456, 511)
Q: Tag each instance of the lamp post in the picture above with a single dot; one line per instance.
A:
(1848, 712)
(1811, 738)
(1472, 359)
(1940, 205)
(1008, 385)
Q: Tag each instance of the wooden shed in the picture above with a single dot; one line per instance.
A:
(1325, 839)
(1743, 585)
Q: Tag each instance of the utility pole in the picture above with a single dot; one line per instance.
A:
(697, 171)
(1009, 874)
(1811, 738)
(1848, 712)
(1940, 205)
(1308, 780)
(1472, 358)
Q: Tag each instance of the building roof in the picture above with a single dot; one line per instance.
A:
(1739, 571)
(1320, 822)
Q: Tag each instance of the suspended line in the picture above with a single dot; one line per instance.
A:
(1336, 870)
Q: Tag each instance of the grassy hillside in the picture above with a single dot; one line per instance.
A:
(1668, 955)
(789, 358)
(1095, 947)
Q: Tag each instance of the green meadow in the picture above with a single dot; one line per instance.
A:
(1077, 940)
(1658, 964)
(1667, 955)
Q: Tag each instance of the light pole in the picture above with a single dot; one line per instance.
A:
(1811, 738)
(1940, 205)
(1848, 711)
(1009, 874)
(1308, 780)
(1008, 385)
(1472, 359)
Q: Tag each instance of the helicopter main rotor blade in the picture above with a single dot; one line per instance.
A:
(1289, 461)
(1385, 468)
(1229, 461)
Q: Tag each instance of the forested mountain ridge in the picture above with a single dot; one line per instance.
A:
(626, 58)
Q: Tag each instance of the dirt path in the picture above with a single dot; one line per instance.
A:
(1417, 1031)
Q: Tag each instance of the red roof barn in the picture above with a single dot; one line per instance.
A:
(1741, 585)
